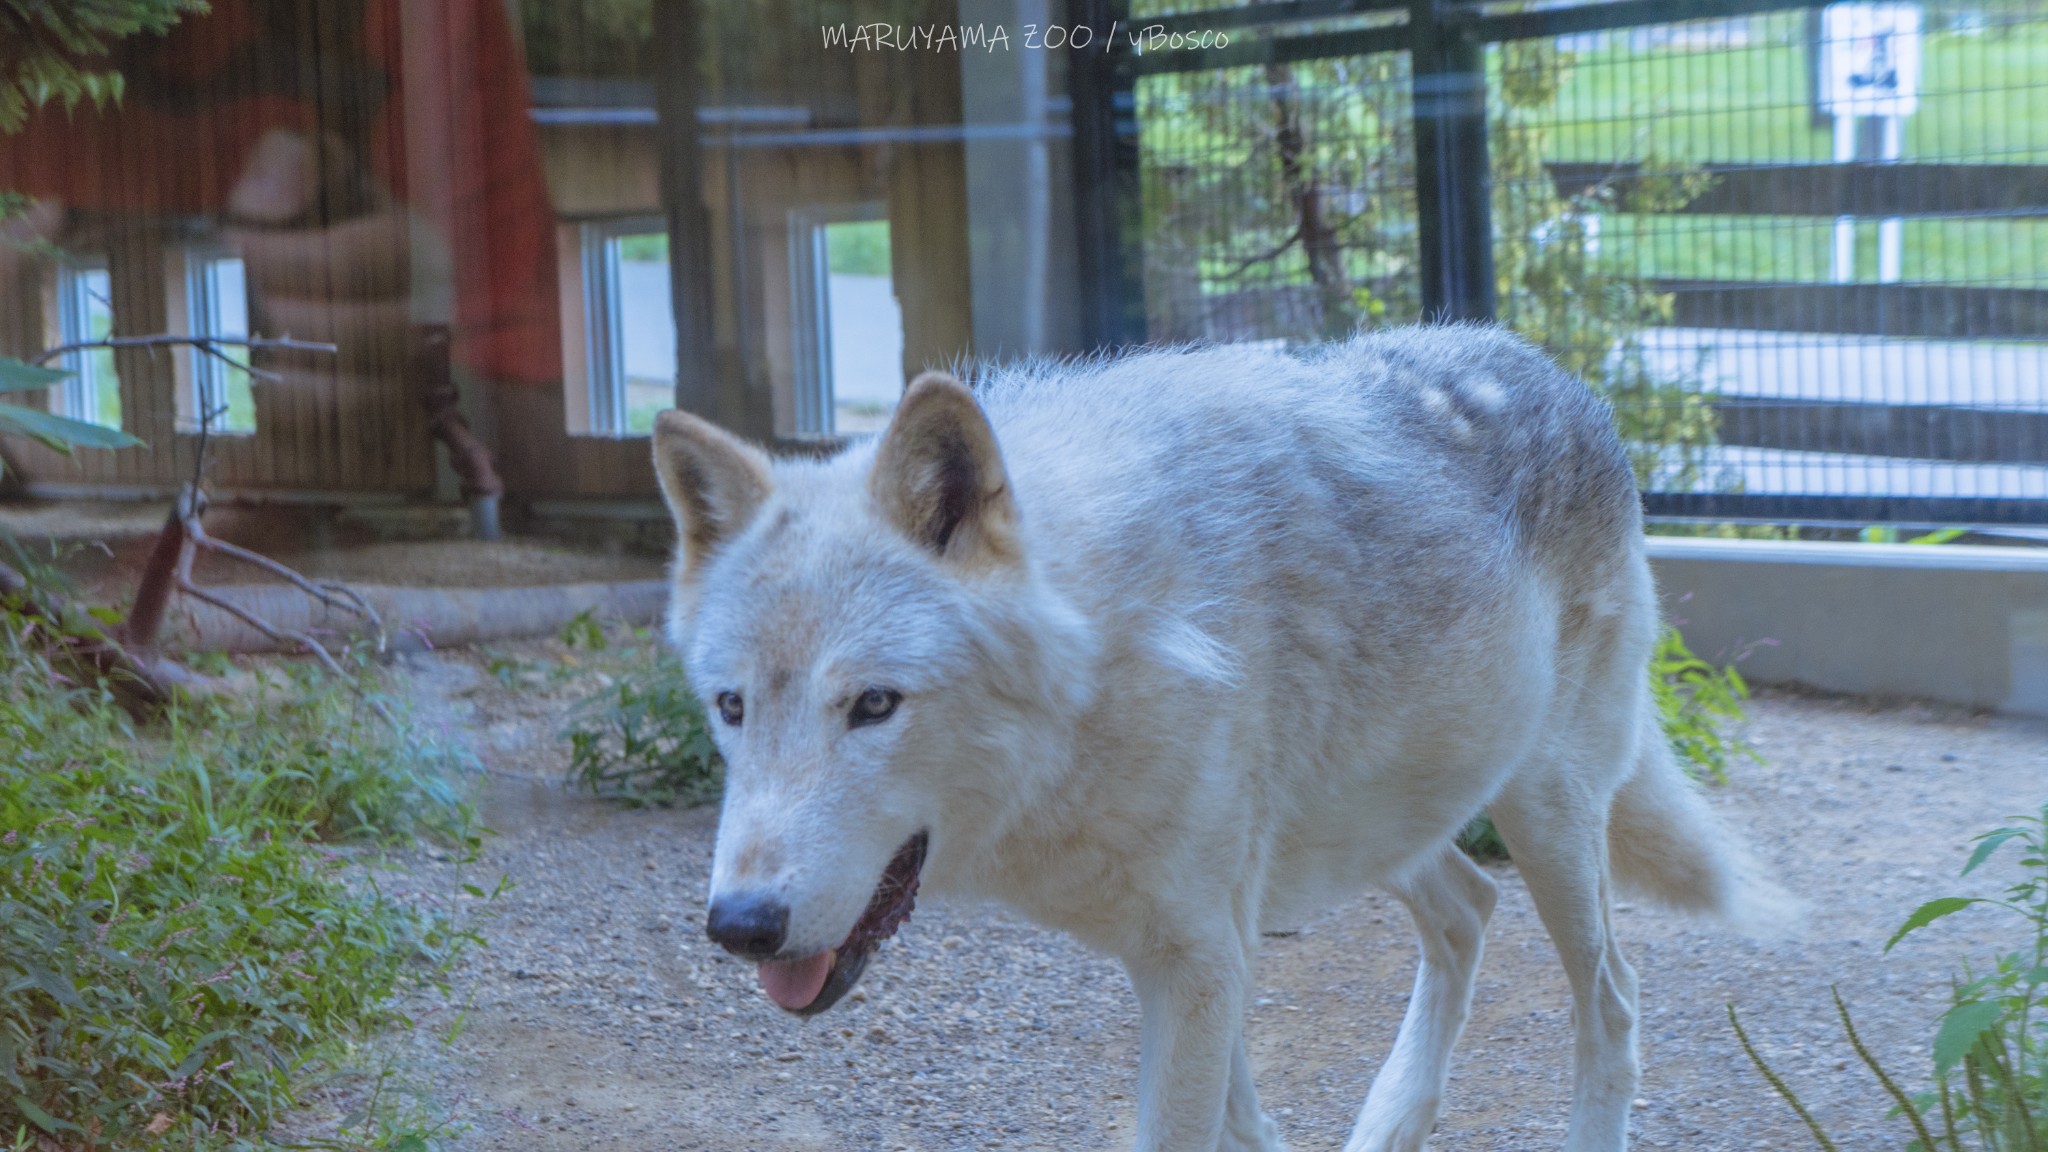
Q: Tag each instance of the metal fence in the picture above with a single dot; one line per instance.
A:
(1801, 249)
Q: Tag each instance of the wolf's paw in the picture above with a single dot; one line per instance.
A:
(1263, 1136)
(1395, 1138)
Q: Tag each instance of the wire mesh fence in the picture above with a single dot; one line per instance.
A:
(1801, 249)
(1279, 200)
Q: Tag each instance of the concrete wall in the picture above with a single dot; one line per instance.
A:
(1961, 624)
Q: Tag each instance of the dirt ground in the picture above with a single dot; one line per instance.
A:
(600, 1017)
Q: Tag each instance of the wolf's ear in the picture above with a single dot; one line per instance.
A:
(713, 481)
(939, 476)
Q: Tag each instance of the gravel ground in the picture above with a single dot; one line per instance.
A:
(601, 1018)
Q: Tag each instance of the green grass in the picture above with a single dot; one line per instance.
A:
(1979, 99)
(643, 738)
(1993, 253)
(1751, 104)
(644, 246)
(644, 400)
(241, 413)
(181, 942)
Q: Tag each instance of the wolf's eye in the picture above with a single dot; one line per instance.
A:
(731, 708)
(874, 706)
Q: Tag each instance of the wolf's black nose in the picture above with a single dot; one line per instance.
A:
(748, 926)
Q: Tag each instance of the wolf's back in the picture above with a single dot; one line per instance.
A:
(1402, 436)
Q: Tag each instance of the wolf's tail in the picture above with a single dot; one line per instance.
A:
(1664, 844)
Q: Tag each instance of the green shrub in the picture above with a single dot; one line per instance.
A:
(177, 946)
(1989, 1089)
(643, 738)
(57, 52)
(1695, 703)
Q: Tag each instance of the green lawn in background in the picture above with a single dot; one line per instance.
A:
(646, 246)
(1750, 103)
(1980, 97)
(1996, 253)
(106, 386)
(644, 399)
(1717, 99)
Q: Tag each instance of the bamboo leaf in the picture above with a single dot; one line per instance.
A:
(1927, 914)
(20, 376)
(58, 988)
(1987, 844)
(42, 1119)
(61, 432)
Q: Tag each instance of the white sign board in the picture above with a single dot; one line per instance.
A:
(1870, 59)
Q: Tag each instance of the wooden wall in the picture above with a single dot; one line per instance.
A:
(333, 425)
(354, 427)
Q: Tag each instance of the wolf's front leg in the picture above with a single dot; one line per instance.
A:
(1191, 1001)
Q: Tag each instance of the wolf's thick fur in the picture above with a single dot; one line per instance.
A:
(1189, 644)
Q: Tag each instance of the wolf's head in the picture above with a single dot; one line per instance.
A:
(886, 673)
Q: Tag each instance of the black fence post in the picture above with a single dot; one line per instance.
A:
(1108, 217)
(1453, 185)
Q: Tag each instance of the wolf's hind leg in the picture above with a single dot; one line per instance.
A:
(1556, 833)
(1451, 900)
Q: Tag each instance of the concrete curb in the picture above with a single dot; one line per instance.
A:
(1959, 624)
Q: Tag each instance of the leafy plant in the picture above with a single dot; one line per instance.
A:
(1888, 534)
(47, 49)
(583, 631)
(1989, 1089)
(1695, 703)
(1481, 840)
(57, 432)
(178, 947)
(644, 738)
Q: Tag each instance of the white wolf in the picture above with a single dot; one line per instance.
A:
(1168, 649)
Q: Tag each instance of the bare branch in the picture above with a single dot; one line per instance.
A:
(211, 347)
(201, 342)
(1273, 253)
(280, 635)
(327, 592)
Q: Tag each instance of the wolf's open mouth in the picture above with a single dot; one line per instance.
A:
(814, 983)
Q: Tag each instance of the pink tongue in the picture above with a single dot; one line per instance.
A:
(795, 983)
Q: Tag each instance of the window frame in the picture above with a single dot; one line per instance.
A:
(594, 361)
(813, 407)
(193, 310)
(77, 396)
